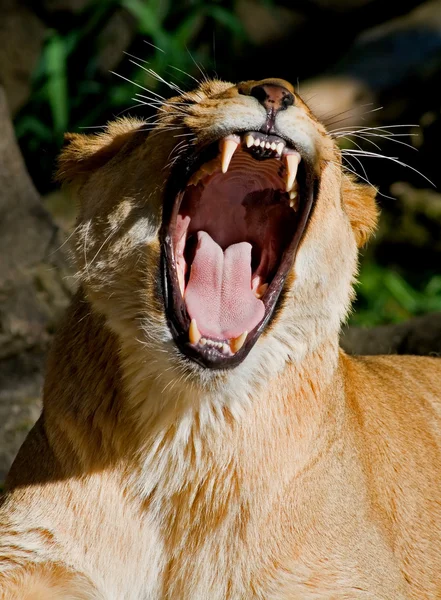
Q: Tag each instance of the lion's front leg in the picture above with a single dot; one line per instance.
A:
(46, 581)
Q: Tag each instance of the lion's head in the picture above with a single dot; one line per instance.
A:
(224, 235)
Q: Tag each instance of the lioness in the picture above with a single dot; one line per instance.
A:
(203, 437)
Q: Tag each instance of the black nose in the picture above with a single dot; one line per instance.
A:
(273, 97)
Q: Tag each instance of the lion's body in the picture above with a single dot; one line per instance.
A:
(303, 474)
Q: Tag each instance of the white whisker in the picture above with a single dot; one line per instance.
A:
(156, 47)
(185, 73)
(378, 128)
(394, 159)
(351, 135)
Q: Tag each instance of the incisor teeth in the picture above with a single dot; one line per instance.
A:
(273, 146)
(194, 333)
(262, 144)
(228, 149)
(257, 142)
(267, 145)
(292, 162)
(237, 343)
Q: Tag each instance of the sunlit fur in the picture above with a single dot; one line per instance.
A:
(149, 477)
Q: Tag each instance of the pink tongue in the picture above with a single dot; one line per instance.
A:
(218, 294)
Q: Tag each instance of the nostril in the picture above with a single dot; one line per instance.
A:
(273, 97)
(259, 93)
(288, 99)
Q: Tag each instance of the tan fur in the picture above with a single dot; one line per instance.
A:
(302, 474)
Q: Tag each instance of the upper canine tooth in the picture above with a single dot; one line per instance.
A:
(194, 334)
(292, 163)
(249, 140)
(237, 343)
(229, 147)
(280, 147)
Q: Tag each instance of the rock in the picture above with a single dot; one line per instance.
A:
(339, 101)
(267, 23)
(21, 40)
(68, 6)
(35, 288)
(402, 51)
(420, 336)
(378, 68)
(416, 220)
(116, 36)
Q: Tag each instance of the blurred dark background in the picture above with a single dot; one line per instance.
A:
(370, 70)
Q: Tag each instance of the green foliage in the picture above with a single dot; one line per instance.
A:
(72, 90)
(384, 296)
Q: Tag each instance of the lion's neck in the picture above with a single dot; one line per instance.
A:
(199, 435)
(183, 433)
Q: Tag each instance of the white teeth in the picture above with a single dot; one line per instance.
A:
(280, 147)
(237, 343)
(181, 281)
(194, 333)
(229, 147)
(292, 162)
(228, 349)
(273, 146)
(196, 177)
(249, 140)
(267, 145)
(206, 169)
(262, 144)
(257, 142)
(294, 196)
(261, 290)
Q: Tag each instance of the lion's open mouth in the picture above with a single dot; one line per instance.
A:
(230, 234)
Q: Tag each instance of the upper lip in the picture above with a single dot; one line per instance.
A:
(178, 318)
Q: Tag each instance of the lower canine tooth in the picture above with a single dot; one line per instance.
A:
(194, 333)
(261, 290)
(237, 343)
(229, 147)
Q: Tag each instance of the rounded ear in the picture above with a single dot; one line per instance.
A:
(359, 203)
(83, 154)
